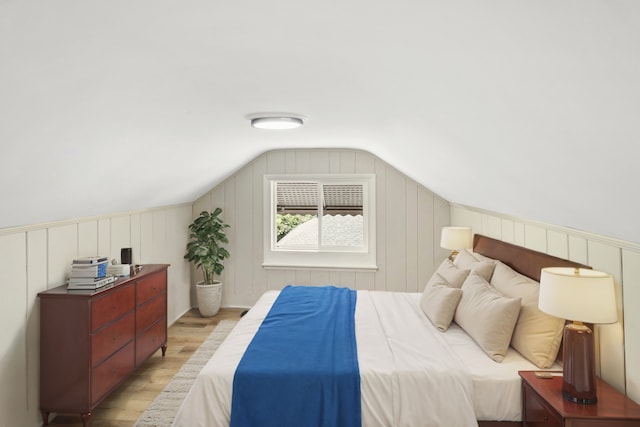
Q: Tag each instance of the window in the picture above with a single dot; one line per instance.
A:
(320, 221)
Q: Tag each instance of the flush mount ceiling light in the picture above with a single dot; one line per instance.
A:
(276, 121)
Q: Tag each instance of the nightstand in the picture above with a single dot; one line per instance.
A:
(544, 406)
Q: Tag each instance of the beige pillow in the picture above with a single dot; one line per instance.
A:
(481, 257)
(487, 316)
(484, 269)
(475, 262)
(537, 335)
(439, 302)
(452, 274)
(464, 259)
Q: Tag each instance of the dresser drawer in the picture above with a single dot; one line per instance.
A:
(151, 340)
(151, 286)
(150, 312)
(109, 339)
(109, 307)
(112, 372)
(538, 413)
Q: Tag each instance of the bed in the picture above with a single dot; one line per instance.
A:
(424, 360)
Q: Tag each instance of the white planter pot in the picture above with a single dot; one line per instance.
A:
(209, 297)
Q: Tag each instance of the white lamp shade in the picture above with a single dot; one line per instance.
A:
(581, 295)
(456, 238)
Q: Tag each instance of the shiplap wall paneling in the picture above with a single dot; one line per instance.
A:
(104, 237)
(239, 289)
(365, 280)
(494, 227)
(36, 282)
(578, 249)
(243, 236)
(334, 277)
(411, 243)
(120, 237)
(380, 277)
(62, 249)
(348, 161)
(607, 258)
(318, 162)
(178, 275)
(631, 280)
(303, 277)
(519, 234)
(135, 239)
(277, 161)
(13, 313)
(259, 274)
(425, 245)
(364, 163)
(144, 252)
(535, 237)
(461, 217)
(88, 238)
(507, 230)
(395, 231)
(348, 279)
(319, 277)
(159, 237)
(275, 279)
(557, 244)
(289, 278)
(441, 218)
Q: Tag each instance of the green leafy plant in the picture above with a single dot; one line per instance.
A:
(206, 250)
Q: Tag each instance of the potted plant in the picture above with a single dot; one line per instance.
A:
(206, 252)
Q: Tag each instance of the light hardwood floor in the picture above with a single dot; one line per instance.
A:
(123, 407)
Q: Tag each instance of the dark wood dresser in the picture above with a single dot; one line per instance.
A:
(91, 341)
(544, 406)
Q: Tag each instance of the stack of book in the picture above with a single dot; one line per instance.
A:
(88, 273)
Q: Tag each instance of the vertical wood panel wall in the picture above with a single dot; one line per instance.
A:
(408, 217)
(35, 258)
(618, 343)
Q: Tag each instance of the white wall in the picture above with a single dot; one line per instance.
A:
(408, 217)
(619, 343)
(36, 258)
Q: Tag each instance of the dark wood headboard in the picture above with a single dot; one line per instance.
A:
(523, 260)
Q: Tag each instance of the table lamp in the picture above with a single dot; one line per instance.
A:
(455, 239)
(579, 295)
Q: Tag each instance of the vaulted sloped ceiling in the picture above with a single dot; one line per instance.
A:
(528, 108)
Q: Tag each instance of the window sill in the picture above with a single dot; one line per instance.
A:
(274, 266)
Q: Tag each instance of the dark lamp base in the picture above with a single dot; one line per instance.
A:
(579, 376)
(583, 401)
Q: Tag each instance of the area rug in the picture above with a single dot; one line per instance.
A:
(163, 409)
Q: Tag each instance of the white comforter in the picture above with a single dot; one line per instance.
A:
(411, 374)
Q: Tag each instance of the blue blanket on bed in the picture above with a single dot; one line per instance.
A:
(301, 368)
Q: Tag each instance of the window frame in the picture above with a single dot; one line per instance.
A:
(321, 257)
